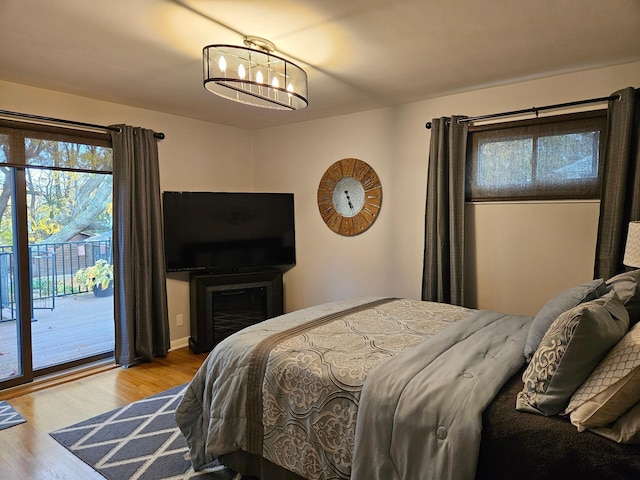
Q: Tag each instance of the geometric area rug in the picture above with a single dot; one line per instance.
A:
(8, 416)
(139, 441)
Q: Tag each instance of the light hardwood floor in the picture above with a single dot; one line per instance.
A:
(27, 452)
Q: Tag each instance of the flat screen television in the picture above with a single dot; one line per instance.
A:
(225, 232)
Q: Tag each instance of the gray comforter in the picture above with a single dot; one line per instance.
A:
(421, 414)
(366, 389)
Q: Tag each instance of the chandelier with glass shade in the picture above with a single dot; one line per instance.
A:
(253, 75)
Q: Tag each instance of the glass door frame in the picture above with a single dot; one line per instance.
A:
(21, 268)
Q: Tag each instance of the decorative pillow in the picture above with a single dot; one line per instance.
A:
(562, 302)
(627, 287)
(612, 388)
(625, 430)
(572, 347)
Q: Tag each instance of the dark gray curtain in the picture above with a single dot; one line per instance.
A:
(443, 272)
(620, 194)
(140, 303)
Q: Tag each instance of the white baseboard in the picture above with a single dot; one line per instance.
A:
(179, 343)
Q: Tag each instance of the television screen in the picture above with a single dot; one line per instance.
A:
(222, 232)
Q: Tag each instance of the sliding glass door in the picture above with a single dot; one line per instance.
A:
(56, 260)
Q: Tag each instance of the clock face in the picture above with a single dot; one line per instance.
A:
(349, 196)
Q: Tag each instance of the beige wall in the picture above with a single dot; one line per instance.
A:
(519, 253)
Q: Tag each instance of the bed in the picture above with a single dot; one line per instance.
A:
(384, 388)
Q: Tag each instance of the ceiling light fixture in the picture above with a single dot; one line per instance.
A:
(254, 75)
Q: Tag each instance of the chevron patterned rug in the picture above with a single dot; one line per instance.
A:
(8, 416)
(139, 441)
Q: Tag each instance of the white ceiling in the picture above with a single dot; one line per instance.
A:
(358, 54)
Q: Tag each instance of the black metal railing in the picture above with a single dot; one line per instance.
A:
(53, 266)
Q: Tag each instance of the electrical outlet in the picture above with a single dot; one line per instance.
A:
(179, 320)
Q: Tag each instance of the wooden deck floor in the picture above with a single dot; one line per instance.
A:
(79, 326)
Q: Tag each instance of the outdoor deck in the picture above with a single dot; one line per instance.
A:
(79, 326)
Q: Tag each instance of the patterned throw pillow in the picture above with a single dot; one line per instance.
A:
(560, 303)
(612, 388)
(572, 347)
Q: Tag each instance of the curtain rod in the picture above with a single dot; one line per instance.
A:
(157, 135)
(534, 109)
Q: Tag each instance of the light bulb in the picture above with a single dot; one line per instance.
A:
(290, 91)
(275, 83)
(241, 71)
(259, 78)
(222, 64)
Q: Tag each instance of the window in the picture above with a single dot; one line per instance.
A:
(55, 221)
(548, 158)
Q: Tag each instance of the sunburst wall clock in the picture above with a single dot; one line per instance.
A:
(349, 196)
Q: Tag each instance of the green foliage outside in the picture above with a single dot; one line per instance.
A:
(43, 288)
(68, 191)
(99, 274)
(553, 158)
(60, 204)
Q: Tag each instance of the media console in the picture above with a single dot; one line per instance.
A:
(224, 304)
